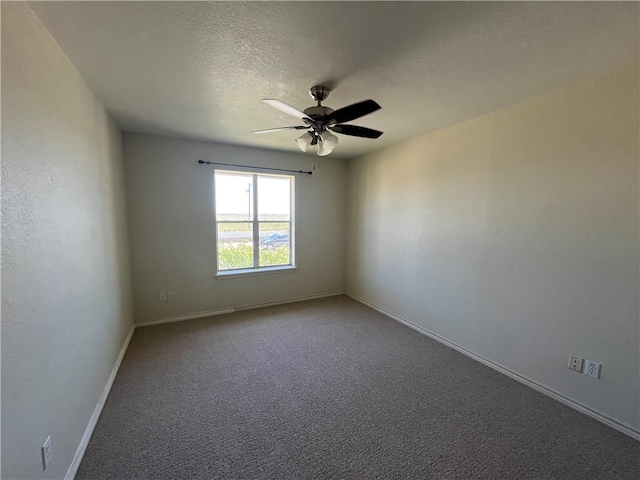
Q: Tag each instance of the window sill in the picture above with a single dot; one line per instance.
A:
(250, 272)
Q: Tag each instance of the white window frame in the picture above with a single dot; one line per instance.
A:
(256, 269)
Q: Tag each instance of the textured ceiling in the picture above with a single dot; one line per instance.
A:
(199, 69)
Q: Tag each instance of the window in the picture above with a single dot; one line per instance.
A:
(254, 221)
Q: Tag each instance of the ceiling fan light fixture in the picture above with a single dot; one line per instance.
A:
(327, 144)
(329, 139)
(304, 141)
(322, 150)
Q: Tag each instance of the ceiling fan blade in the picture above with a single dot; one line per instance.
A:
(356, 131)
(351, 112)
(269, 130)
(283, 107)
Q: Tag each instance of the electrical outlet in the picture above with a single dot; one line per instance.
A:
(575, 363)
(592, 369)
(47, 453)
(170, 296)
(163, 297)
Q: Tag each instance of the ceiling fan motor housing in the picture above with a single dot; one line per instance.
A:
(317, 113)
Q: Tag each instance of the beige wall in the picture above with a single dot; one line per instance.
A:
(173, 230)
(515, 236)
(66, 306)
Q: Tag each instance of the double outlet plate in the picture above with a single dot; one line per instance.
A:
(580, 365)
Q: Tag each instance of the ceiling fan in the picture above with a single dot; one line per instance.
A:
(320, 121)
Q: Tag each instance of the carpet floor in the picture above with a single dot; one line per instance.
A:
(329, 389)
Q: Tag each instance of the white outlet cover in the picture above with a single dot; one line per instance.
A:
(47, 452)
(592, 369)
(575, 363)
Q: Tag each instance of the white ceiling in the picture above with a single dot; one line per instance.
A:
(199, 69)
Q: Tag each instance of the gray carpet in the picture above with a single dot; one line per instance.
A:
(332, 389)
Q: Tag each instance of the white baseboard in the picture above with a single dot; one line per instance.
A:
(77, 458)
(635, 434)
(290, 300)
(190, 316)
(211, 313)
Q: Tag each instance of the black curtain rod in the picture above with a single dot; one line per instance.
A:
(202, 162)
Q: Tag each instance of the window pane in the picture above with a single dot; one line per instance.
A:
(274, 198)
(234, 197)
(235, 245)
(275, 244)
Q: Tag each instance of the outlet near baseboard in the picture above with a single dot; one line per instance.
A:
(47, 453)
(575, 363)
